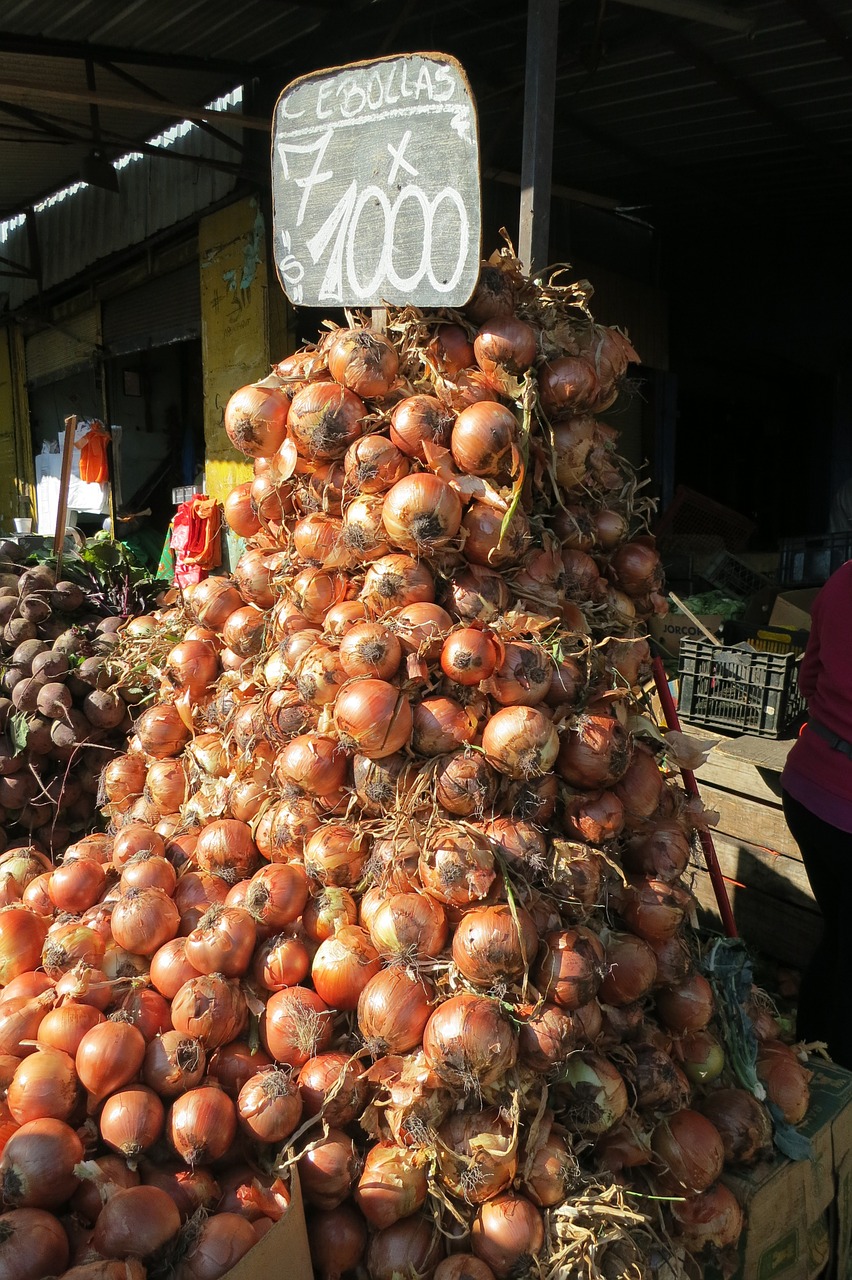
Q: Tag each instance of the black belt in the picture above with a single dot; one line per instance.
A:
(833, 739)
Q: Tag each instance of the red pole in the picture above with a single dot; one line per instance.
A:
(691, 787)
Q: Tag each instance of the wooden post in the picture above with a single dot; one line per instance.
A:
(537, 159)
(64, 484)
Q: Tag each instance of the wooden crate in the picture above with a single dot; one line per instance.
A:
(773, 905)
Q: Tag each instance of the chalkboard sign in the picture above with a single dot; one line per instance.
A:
(375, 185)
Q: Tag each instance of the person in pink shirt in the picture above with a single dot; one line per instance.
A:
(817, 797)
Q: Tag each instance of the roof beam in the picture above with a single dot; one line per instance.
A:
(42, 47)
(20, 91)
(156, 96)
(825, 25)
(750, 97)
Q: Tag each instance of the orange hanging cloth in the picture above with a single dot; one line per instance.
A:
(94, 468)
(196, 539)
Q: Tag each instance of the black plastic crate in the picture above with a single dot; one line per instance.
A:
(768, 639)
(810, 561)
(729, 574)
(738, 689)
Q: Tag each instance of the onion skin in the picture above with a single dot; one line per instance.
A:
(468, 1042)
(224, 1239)
(785, 1078)
(690, 1150)
(411, 1247)
(507, 1233)
(37, 1165)
(712, 1219)
(393, 1184)
(135, 1222)
(743, 1122)
(338, 1239)
(32, 1245)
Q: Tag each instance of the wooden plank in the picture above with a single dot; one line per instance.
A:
(772, 873)
(749, 820)
(64, 483)
(776, 928)
(735, 775)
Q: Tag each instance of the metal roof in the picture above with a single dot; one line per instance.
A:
(673, 114)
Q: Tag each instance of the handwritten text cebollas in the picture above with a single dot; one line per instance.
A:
(362, 92)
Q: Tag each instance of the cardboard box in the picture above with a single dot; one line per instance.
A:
(674, 627)
(799, 1213)
(793, 608)
(283, 1253)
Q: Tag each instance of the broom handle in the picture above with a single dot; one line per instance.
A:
(691, 787)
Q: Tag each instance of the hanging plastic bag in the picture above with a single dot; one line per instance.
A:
(94, 468)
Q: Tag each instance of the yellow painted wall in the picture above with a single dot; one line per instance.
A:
(241, 310)
(17, 472)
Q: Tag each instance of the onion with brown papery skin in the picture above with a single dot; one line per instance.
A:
(22, 936)
(161, 731)
(507, 1234)
(393, 1010)
(395, 581)
(109, 1056)
(548, 1177)
(393, 1184)
(295, 1026)
(711, 1220)
(421, 513)
(409, 926)
(494, 945)
(143, 920)
(595, 818)
(370, 649)
(418, 419)
(225, 847)
(332, 1084)
(572, 968)
(689, 1006)
(505, 345)
(269, 1105)
(653, 909)
(637, 568)
(239, 511)
(33, 1244)
(631, 969)
(343, 965)
(477, 1153)
(521, 742)
(468, 1042)
(743, 1122)
(210, 1008)
(595, 753)
(441, 725)
(363, 360)
(465, 784)
(595, 1093)
(690, 1150)
(37, 1165)
(372, 717)
(381, 784)
(546, 1037)
(483, 439)
(324, 419)
(702, 1056)
(457, 868)
(326, 911)
(327, 1170)
(64, 1027)
(173, 1063)
(131, 1121)
(785, 1079)
(373, 464)
(222, 942)
(640, 791)
(477, 594)
(202, 1124)
(485, 541)
(222, 1241)
(256, 418)
(335, 855)
(313, 764)
(412, 1246)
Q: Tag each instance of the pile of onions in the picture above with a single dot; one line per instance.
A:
(394, 873)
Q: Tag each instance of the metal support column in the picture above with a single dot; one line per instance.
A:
(537, 161)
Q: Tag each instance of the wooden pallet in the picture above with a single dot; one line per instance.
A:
(773, 905)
